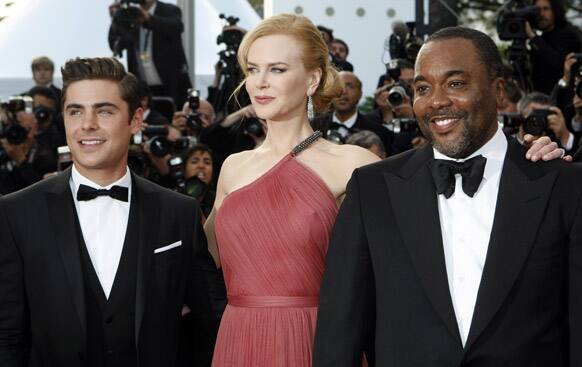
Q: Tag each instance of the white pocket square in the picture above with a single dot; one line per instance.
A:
(169, 247)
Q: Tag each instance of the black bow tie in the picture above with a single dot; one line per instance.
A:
(471, 170)
(88, 193)
(337, 126)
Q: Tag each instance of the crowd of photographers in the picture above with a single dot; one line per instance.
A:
(185, 138)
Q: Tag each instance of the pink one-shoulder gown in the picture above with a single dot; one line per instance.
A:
(272, 237)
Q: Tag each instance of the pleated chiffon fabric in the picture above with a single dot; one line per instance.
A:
(272, 237)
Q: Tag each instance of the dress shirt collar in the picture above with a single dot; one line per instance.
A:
(349, 123)
(494, 150)
(152, 9)
(78, 179)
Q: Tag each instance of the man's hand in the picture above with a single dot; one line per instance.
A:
(568, 62)
(557, 124)
(543, 148)
(404, 110)
(179, 120)
(245, 112)
(144, 16)
(529, 31)
(381, 98)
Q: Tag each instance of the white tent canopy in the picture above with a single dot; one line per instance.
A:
(64, 29)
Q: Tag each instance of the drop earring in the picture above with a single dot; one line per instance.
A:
(310, 112)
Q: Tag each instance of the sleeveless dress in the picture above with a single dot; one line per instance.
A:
(272, 237)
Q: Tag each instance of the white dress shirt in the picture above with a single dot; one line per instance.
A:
(103, 223)
(349, 123)
(466, 228)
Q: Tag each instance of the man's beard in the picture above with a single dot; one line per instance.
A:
(452, 149)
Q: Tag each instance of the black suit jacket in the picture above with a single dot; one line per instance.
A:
(42, 309)
(363, 122)
(167, 50)
(386, 254)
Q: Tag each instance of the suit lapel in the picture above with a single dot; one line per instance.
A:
(62, 214)
(524, 191)
(148, 218)
(414, 200)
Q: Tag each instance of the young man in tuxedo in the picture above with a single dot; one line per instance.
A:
(97, 263)
(461, 253)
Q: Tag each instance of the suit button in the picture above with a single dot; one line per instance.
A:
(109, 353)
(109, 320)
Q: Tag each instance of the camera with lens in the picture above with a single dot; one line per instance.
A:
(177, 172)
(231, 38)
(159, 144)
(393, 70)
(403, 125)
(11, 130)
(128, 13)
(196, 188)
(536, 123)
(193, 120)
(43, 114)
(252, 126)
(511, 121)
(405, 47)
(398, 93)
(511, 24)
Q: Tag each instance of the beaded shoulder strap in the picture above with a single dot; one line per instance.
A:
(306, 143)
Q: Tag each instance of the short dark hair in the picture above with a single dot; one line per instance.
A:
(45, 92)
(198, 148)
(483, 44)
(534, 97)
(343, 43)
(103, 68)
(326, 30)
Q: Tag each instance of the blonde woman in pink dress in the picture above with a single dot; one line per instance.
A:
(276, 205)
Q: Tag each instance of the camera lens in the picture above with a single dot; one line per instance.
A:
(396, 95)
(253, 127)
(160, 146)
(16, 134)
(42, 114)
(335, 137)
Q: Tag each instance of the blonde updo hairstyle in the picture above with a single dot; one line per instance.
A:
(314, 53)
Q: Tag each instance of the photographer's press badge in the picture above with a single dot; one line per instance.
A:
(146, 58)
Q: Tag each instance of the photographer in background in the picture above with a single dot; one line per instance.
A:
(239, 131)
(227, 72)
(394, 106)
(17, 145)
(150, 115)
(345, 119)
(199, 175)
(542, 117)
(548, 50)
(339, 51)
(48, 135)
(151, 32)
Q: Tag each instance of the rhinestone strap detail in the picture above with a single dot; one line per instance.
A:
(306, 143)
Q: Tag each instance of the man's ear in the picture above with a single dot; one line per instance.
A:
(314, 80)
(137, 120)
(499, 87)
